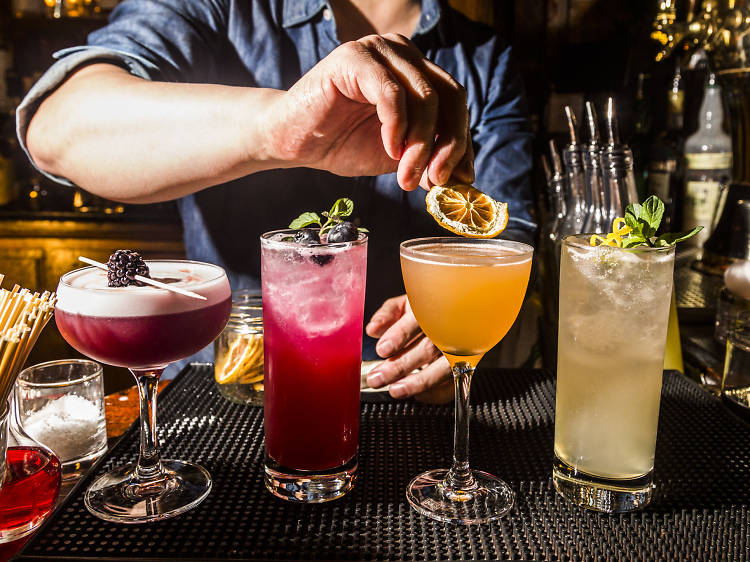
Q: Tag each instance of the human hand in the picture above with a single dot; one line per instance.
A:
(405, 348)
(374, 106)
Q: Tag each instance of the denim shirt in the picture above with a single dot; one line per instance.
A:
(271, 44)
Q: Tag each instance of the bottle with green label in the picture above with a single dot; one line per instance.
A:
(708, 165)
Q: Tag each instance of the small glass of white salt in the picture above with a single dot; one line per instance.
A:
(60, 404)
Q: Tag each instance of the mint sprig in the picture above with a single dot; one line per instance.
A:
(644, 220)
(342, 208)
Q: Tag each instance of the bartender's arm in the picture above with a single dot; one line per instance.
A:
(368, 108)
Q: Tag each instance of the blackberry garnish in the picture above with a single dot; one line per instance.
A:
(123, 266)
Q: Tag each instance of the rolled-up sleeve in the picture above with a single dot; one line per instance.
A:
(152, 39)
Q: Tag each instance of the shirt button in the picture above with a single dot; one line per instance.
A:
(326, 14)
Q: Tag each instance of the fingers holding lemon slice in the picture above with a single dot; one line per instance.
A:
(466, 211)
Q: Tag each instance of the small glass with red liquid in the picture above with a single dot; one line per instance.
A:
(145, 328)
(313, 312)
(29, 481)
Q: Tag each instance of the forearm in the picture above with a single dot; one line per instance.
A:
(128, 139)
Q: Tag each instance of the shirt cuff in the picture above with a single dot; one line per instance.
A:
(69, 61)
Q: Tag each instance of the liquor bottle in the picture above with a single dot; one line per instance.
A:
(708, 164)
(665, 168)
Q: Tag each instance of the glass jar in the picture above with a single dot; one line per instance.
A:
(238, 351)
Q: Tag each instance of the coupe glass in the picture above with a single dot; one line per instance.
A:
(465, 294)
(145, 329)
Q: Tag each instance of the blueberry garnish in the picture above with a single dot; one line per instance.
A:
(307, 236)
(322, 259)
(344, 231)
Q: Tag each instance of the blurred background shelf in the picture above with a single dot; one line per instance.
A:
(35, 252)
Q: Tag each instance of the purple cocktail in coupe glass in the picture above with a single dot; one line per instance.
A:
(145, 329)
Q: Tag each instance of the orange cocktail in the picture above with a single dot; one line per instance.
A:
(465, 294)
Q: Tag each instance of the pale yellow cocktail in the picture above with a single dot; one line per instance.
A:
(614, 308)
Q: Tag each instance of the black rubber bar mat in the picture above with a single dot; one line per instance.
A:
(700, 511)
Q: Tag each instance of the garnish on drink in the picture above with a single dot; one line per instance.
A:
(334, 230)
(638, 228)
(466, 211)
(121, 274)
(122, 268)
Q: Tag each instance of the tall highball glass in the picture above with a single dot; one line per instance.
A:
(614, 311)
(465, 294)
(313, 310)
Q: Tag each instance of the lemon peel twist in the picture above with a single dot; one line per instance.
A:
(614, 238)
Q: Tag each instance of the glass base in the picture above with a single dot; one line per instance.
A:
(74, 470)
(490, 498)
(15, 533)
(307, 486)
(602, 494)
(113, 497)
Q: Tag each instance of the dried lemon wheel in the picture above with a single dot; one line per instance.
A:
(466, 211)
(243, 362)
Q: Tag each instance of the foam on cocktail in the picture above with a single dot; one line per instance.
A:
(468, 255)
(280, 241)
(85, 291)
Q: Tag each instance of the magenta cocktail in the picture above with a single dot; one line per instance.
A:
(313, 311)
(145, 328)
(142, 341)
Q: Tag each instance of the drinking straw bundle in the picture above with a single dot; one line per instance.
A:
(23, 315)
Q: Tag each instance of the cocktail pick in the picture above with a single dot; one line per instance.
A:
(147, 280)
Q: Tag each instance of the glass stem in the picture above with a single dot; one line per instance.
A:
(149, 469)
(459, 476)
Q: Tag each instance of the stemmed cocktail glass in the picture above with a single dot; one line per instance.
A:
(144, 329)
(465, 294)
